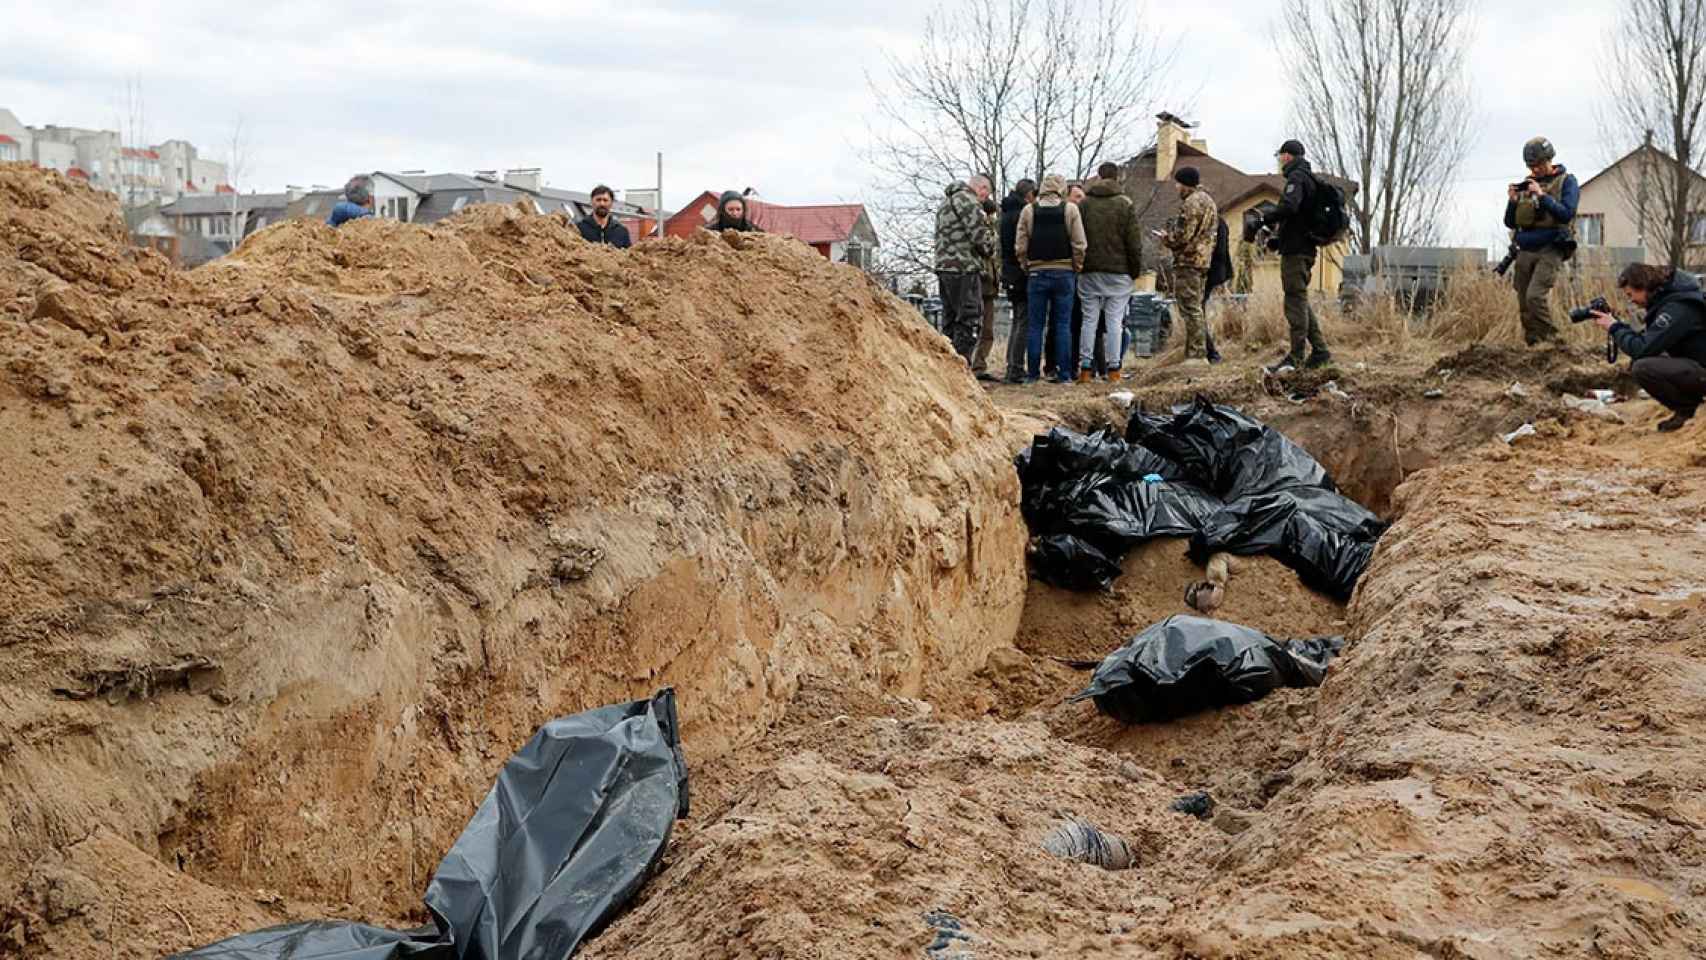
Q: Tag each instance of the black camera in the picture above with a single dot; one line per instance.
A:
(1521, 186)
(1505, 264)
(1598, 305)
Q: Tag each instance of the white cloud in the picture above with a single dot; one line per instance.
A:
(763, 93)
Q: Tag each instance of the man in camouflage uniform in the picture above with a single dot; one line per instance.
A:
(964, 238)
(1540, 210)
(1192, 245)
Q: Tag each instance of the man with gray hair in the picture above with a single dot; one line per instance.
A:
(357, 201)
(964, 240)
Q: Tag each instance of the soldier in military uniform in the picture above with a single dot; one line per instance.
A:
(1192, 244)
(964, 238)
(1540, 209)
(991, 283)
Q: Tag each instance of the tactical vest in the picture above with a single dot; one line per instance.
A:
(1531, 216)
(1049, 239)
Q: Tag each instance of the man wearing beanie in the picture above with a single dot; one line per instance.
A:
(1113, 258)
(1192, 245)
(1297, 260)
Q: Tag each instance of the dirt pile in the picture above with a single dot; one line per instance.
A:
(398, 494)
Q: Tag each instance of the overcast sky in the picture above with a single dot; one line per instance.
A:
(760, 93)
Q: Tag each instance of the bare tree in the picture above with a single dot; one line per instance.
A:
(236, 170)
(132, 134)
(1010, 88)
(1380, 95)
(1656, 74)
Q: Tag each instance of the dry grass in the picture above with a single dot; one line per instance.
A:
(1476, 306)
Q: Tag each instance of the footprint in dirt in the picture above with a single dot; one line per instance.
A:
(950, 937)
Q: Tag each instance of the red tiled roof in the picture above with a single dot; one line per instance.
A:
(6, 139)
(77, 172)
(148, 154)
(224, 188)
(826, 223)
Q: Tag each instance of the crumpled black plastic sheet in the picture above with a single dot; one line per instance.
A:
(1205, 471)
(578, 819)
(1185, 664)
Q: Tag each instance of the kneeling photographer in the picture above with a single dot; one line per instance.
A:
(1669, 354)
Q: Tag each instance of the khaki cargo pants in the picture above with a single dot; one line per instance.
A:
(1295, 270)
(1536, 271)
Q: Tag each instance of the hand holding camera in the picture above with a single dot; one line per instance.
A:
(1595, 309)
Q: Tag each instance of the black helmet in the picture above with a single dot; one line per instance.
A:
(1538, 150)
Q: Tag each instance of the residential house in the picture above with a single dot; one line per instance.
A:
(139, 175)
(220, 222)
(415, 196)
(841, 233)
(1149, 182)
(1609, 226)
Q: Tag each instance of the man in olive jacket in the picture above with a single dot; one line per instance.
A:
(1113, 258)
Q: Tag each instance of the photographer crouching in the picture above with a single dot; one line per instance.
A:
(1670, 353)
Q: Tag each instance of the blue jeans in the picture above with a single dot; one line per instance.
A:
(1050, 292)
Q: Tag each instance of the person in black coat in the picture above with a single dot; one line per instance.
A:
(732, 214)
(1296, 248)
(1669, 354)
(601, 227)
(1013, 278)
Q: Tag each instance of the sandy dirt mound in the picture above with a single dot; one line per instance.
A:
(309, 540)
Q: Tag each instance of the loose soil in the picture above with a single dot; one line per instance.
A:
(308, 540)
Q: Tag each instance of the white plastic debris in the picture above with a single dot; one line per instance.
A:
(1516, 391)
(1124, 398)
(1332, 389)
(1593, 407)
(1433, 394)
(1526, 430)
(1605, 396)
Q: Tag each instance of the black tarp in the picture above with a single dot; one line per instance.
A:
(578, 819)
(1185, 664)
(1205, 471)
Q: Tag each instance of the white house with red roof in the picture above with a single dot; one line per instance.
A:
(841, 232)
(139, 174)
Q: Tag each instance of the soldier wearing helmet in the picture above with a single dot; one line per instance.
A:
(1540, 209)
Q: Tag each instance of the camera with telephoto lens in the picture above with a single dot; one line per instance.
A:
(1521, 186)
(1510, 258)
(1586, 313)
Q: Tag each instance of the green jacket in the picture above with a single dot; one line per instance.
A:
(1111, 230)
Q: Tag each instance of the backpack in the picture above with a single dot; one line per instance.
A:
(1326, 221)
(1220, 264)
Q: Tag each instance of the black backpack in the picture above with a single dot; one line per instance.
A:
(1220, 265)
(1326, 221)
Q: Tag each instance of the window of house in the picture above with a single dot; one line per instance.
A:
(1697, 227)
(459, 204)
(1590, 229)
(8, 151)
(708, 212)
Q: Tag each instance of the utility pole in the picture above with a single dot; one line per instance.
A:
(1641, 193)
(659, 210)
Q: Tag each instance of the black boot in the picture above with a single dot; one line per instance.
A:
(1317, 360)
(1676, 420)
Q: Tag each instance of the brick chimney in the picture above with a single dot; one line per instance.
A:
(1170, 132)
(526, 178)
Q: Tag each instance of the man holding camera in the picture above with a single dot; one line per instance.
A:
(1670, 353)
(1540, 210)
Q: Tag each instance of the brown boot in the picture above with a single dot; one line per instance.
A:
(1085, 376)
(1113, 374)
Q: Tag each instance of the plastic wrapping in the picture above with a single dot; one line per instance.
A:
(578, 819)
(1185, 664)
(1208, 472)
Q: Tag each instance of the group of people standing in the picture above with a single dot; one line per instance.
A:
(1068, 257)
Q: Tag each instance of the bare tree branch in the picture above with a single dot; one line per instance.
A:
(1381, 96)
(1010, 88)
(1658, 85)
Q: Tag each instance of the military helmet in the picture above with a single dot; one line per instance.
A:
(1538, 150)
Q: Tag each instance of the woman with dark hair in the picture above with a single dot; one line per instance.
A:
(1669, 354)
(731, 214)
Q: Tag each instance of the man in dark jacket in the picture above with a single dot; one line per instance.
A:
(601, 227)
(1013, 279)
(964, 241)
(1113, 258)
(1670, 353)
(1297, 259)
(1540, 210)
